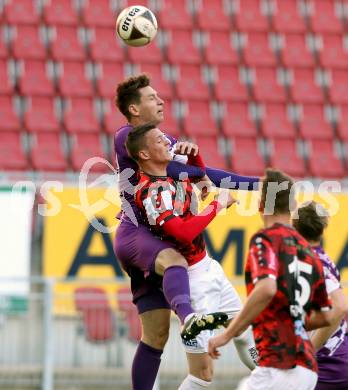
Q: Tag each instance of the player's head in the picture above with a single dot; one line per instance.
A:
(138, 101)
(311, 222)
(147, 144)
(277, 195)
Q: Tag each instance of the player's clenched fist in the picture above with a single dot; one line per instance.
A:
(225, 198)
(186, 148)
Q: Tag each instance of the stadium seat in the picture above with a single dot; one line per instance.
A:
(229, 85)
(249, 15)
(170, 125)
(108, 75)
(98, 13)
(323, 161)
(323, 17)
(125, 304)
(3, 46)
(6, 85)
(275, 121)
(84, 147)
(342, 123)
(104, 47)
(9, 120)
(181, 48)
(267, 86)
(304, 87)
(62, 12)
(257, 50)
(12, 156)
(211, 153)
(97, 316)
(334, 53)
(219, 49)
(237, 121)
(198, 119)
(112, 118)
(147, 54)
(287, 16)
(338, 86)
(47, 153)
(246, 158)
(158, 81)
(74, 79)
(40, 115)
(80, 116)
(214, 18)
(180, 14)
(295, 51)
(190, 84)
(35, 78)
(66, 44)
(27, 43)
(22, 12)
(313, 123)
(284, 156)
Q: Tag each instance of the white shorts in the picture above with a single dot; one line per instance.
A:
(268, 378)
(210, 291)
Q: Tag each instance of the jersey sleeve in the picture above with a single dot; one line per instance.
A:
(321, 300)
(263, 262)
(332, 283)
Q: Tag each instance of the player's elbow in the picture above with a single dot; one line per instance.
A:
(268, 288)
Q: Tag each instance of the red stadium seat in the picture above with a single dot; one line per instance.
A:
(6, 86)
(219, 49)
(109, 74)
(112, 118)
(323, 161)
(198, 119)
(267, 87)
(276, 122)
(334, 54)
(8, 116)
(62, 12)
(27, 43)
(66, 44)
(80, 116)
(104, 46)
(246, 157)
(190, 84)
(35, 78)
(3, 47)
(213, 19)
(229, 85)
(170, 125)
(323, 17)
(313, 123)
(147, 54)
(12, 156)
(287, 16)
(295, 51)
(342, 125)
(21, 12)
(339, 86)
(304, 86)
(181, 48)
(249, 15)
(180, 14)
(284, 156)
(237, 121)
(257, 50)
(74, 79)
(84, 147)
(41, 115)
(125, 304)
(47, 153)
(98, 13)
(211, 153)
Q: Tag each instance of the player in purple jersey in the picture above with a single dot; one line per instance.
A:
(331, 343)
(144, 257)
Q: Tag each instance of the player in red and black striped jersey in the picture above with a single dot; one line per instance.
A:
(286, 295)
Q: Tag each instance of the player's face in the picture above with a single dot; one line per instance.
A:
(158, 146)
(151, 106)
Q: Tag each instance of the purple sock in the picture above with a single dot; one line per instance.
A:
(176, 289)
(145, 366)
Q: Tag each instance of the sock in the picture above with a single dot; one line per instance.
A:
(193, 383)
(176, 289)
(145, 366)
(246, 348)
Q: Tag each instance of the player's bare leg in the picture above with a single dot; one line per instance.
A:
(200, 372)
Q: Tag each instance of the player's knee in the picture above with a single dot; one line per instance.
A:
(157, 339)
(205, 373)
(169, 258)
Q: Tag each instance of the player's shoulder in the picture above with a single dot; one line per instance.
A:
(260, 236)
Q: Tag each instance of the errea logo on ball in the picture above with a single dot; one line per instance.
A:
(128, 20)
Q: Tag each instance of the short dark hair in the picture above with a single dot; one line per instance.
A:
(312, 221)
(136, 139)
(275, 200)
(128, 92)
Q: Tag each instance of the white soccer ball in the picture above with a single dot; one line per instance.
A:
(136, 25)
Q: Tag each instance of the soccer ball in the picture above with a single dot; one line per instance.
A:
(136, 26)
